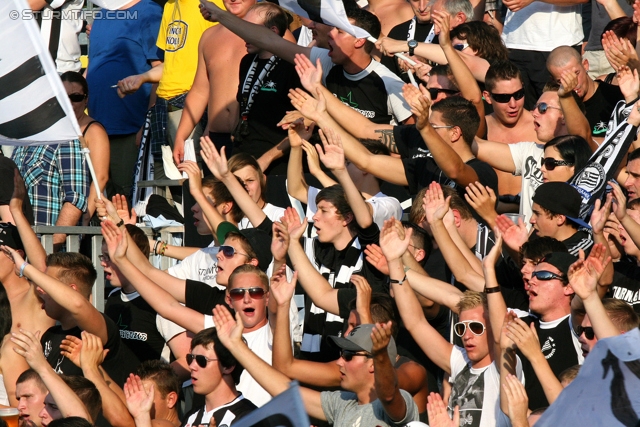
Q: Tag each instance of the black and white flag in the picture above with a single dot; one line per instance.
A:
(34, 106)
(284, 410)
(329, 12)
(591, 181)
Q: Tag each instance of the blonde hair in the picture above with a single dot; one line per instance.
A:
(471, 300)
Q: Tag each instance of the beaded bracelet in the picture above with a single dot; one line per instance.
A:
(164, 248)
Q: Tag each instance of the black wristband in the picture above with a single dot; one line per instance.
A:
(491, 290)
(121, 223)
(398, 282)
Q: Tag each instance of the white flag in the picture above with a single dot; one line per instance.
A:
(34, 106)
(606, 391)
(329, 12)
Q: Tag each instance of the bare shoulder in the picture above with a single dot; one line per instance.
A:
(392, 13)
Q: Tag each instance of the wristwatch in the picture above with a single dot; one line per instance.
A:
(412, 45)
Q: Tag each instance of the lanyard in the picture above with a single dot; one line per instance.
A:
(250, 87)
(412, 32)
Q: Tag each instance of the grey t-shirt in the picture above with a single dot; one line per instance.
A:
(342, 410)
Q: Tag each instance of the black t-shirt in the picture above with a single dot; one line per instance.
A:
(626, 283)
(119, 363)
(224, 415)
(581, 239)
(401, 32)
(202, 297)
(136, 320)
(560, 350)
(270, 104)
(367, 92)
(600, 106)
(7, 168)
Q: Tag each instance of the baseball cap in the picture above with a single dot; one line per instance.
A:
(560, 260)
(359, 339)
(9, 236)
(260, 242)
(561, 198)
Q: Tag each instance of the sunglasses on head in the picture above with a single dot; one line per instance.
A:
(547, 275)
(348, 355)
(542, 107)
(230, 251)
(503, 98)
(238, 293)
(476, 328)
(588, 332)
(77, 97)
(550, 163)
(433, 92)
(200, 359)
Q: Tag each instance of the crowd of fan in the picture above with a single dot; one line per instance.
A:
(478, 309)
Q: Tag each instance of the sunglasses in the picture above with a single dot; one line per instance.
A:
(433, 92)
(588, 332)
(230, 251)
(550, 163)
(348, 355)
(547, 275)
(461, 46)
(543, 107)
(104, 258)
(503, 98)
(238, 293)
(77, 97)
(476, 328)
(200, 359)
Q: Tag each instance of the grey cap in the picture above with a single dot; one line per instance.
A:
(359, 339)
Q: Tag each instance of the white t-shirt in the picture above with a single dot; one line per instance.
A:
(261, 343)
(200, 265)
(274, 213)
(526, 156)
(63, 19)
(543, 27)
(478, 391)
(384, 207)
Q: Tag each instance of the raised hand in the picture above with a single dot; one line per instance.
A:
(194, 173)
(441, 20)
(294, 226)
(493, 256)
(420, 107)
(307, 105)
(393, 246)
(363, 298)
(92, 353)
(70, 348)
(298, 132)
(116, 241)
(331, 152)
(517, 400)
(513, 235)
(507, 343)
(139, 401)
(435, 205)
(310, 75)
(229, 329)
(14, 256)
(27, 345)
(381, 336)
(628, 82)
(583, 278)
(281, 289)
(313, 160)
(600, 214)
(568, 82)
(373, 254)
(438, 414)
(122, 209)
(619, 205)
(482, 199)
(279, 241)
(217, 162)
(210, 11)
(523, 336)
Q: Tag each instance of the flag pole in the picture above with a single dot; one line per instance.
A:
(401, 56)
(87, 155)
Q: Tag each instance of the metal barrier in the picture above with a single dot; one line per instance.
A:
(73, 245)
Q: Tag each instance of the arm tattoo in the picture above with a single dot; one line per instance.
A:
(387, 138)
